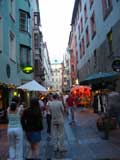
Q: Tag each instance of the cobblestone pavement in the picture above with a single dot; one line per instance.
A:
(83, 141)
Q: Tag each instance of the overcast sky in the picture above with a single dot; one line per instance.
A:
(55, 20)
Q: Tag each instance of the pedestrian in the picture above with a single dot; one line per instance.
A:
(42, 106)
(19, 104)
(57, 110)
(64, 97)
(114, 105)
(112, 110)
(32, 125)
(95, 103)
(15, 132)
(104, 101)
(41, 103)
(48, 116)
(71, 105)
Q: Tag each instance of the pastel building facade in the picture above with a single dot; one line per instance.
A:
(15, 46)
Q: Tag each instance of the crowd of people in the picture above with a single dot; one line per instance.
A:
(107, 104)
(25, 125)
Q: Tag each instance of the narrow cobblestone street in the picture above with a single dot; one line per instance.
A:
(82, 140)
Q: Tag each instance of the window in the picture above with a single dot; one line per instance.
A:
(36, 66)
(83, 46)
(1, 35)
(81, 24)
(80, 50)
(79, 31)
(36, 41)
(91, 3)
(24, 21)
(108, 4)
(12, 46)
(95, 59)
(75, 40)
(80, 4)
(76, 57)
(87, 37)
(107, 7)
(93, 26)
(88, 63)
(76, 21)
(25, 57)
(79, 9)
(77, 16)
(72, 68)
(36, 18)
(12, 9)
(85, 12)
(109, 38)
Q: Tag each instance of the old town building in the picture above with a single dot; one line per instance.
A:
(96, 28)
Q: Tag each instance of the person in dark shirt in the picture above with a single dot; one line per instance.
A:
(32, 124)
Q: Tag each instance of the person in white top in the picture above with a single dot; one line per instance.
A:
(15, 132)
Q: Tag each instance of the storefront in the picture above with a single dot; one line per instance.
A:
(82, 95)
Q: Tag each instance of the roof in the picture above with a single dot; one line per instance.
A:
(74, 11)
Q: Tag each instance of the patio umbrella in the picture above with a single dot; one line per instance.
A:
(33, 86)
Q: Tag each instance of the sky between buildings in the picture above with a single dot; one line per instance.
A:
(55, 24)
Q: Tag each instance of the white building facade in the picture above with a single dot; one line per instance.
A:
(47, 67)
(57, 76)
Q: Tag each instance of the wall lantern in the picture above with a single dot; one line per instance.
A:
(27, 69)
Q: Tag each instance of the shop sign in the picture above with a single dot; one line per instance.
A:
(116, 65)
(27, 69)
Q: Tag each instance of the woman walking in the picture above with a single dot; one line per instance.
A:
(15, 132)
(32, 125)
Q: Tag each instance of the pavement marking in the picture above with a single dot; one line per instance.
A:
(69, 133)
(89, 140)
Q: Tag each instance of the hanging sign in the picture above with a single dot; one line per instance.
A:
(27, 69)
(116, 65)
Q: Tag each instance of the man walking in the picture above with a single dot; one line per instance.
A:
(57, 110)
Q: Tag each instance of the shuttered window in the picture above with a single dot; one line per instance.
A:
(25, 58)
(24, 21)
(107, 7)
